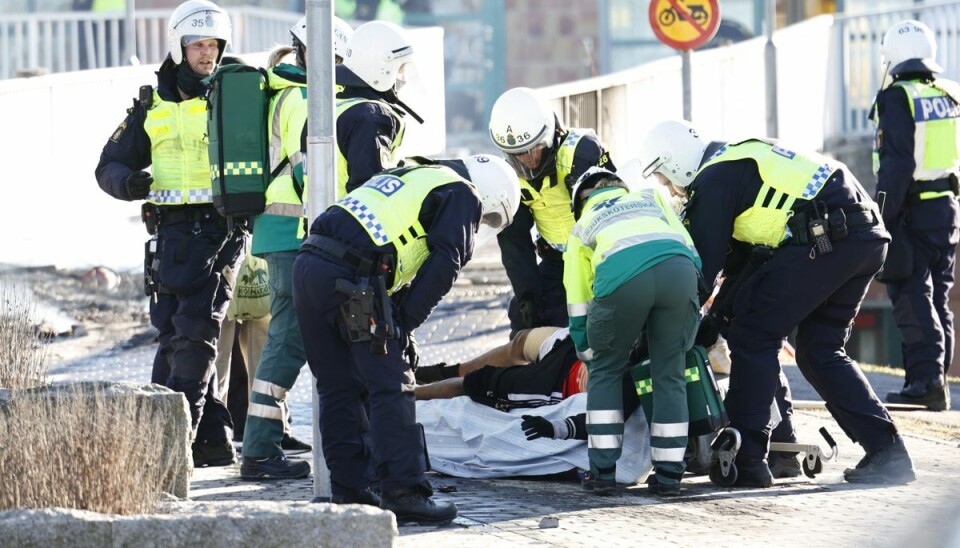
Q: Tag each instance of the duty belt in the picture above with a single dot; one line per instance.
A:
(917, 188)
(364, 263)
(841, 221)
(186, 214)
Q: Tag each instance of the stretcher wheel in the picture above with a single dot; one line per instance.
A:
(717, 474)
(811, 471)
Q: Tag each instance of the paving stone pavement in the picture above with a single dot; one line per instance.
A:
(796, 512)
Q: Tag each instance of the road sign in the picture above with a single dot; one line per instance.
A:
(684, 24)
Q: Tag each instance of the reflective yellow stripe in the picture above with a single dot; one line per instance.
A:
(284, 210)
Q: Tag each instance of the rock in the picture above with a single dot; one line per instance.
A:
(102, 278)
(173, 441)
(204, 524)
(549, 522)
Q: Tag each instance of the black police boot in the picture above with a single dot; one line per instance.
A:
(934, 394)
(603, 483)
(414, 505)
(213, 454)
(783, 465)
(273, 468)
(365, 496)
(294, 446)
(890, 465)
(753, 473)
(434, 373)
(662, 488)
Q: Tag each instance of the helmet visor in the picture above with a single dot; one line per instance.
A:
(406, 75)
(491, 223)
(532, 163)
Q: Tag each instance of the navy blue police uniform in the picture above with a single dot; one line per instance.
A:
(196, 259)
(542, 283)
(796, 288)
(367, 409)
(920, 300)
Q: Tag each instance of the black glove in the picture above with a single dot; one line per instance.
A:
(529, 307)
(138, 185)
(536, 427)
(708, 332)
(411, 351)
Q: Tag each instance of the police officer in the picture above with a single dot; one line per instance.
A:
(276, 240)
(630, 266)
(196, 254)
(370, 115)
(918, 160)
(817, 240)
(548, 158)
(412, 228)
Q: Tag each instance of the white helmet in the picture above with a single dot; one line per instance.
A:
(674, 149)
(590, 179)
(341, 34)
(499, 191)
(909, 46)
(196, 20)
(520, 122)
(377, 53)
(632, 173)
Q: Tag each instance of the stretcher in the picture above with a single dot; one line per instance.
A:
(713, 444)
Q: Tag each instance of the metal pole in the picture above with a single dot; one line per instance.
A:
(321, 165)
(770, 65)
(687, 82)
(130, 35)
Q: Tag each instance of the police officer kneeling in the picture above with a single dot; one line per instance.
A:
(822, 240)
(412, 229)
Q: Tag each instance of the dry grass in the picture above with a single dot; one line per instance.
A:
(80, 449)
(22, 352)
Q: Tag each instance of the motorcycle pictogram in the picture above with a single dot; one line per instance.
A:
(670, 15)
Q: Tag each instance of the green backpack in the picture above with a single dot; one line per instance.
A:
(238, 106)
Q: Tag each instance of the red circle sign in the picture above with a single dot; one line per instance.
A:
(684, 24)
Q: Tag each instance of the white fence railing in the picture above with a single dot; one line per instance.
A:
(53, 212)
(69, 41)
(728, 94)
(856, 53)
(828, 72)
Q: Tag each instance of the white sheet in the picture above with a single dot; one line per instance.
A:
(469, 440)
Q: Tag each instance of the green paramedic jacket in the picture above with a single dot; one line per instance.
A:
(619, 235)
(276, 228)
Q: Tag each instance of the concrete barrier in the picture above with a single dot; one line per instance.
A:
(228, 524)
(173, 441)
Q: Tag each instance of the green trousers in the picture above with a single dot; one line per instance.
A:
(280, 363)
(662, 300)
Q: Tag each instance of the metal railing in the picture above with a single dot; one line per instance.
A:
(69, 41)
(857, 50)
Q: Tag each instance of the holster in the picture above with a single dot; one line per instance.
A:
(148, 214)
(357, 312)
(151, 265)
(367, 314)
